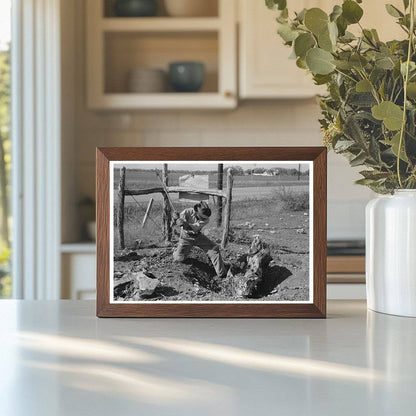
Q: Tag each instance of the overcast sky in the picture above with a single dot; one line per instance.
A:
(212, 166)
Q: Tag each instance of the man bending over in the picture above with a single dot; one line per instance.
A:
(192, 221)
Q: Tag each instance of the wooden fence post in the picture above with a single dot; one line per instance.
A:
(227, 216)
(167, 210)
(220, 186)
(146, 214)
(120, 220)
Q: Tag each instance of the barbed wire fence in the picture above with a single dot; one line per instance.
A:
(144, 219)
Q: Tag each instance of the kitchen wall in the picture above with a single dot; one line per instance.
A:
(254, 123)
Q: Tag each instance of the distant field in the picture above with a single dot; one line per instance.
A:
(148, 179)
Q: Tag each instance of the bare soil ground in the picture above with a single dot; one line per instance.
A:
(286, 279)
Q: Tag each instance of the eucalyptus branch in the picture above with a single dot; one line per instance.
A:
(398, 95)
(369, 41)
(373, 89)
(345, 75)
(365, 63)
(406, 80)
(392, 90)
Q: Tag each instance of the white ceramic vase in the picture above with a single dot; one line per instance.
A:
(391, 253)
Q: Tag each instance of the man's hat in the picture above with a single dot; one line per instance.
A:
(205, 210)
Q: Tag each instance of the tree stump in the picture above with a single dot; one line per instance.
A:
(244, 276)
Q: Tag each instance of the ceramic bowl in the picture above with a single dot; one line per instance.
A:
(147, 80)
(135, 8)
(186, 76)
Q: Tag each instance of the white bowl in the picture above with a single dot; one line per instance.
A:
(191, 8)
(146, 80)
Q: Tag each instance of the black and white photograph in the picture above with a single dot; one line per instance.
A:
(211, 232)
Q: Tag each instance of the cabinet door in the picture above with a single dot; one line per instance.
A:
(265, 68)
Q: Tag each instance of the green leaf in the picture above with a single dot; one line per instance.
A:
(343, 65)
(327, 40)
(364, 181)
(394, 144)
(321, 79)
(411, 90)
(374, 150)
(286, 32)
(283, 17)
(358, 160)
(375, 35)
(336, 12)
(343, 145)
(406, 4)
(325, 43)
(363, 86)
(358, 61)
(377, 75)
(276, 4)
(368, 36)
(300, 17)
(381, 89)
(333, 32)
(393, 11)
(354, 131)
(412, 67)
(351, 11)
(391, 114)
(316, 20)
(303, 43)
(396, 71)
(374, 175)
(361, 99)
(284, 14)
(342, 25)
(348, 37)
(301, 63)
(385, 63)
(319, 61)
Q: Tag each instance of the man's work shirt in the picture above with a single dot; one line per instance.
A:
(189, 217)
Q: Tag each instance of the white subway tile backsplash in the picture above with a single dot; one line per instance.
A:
(272, 123)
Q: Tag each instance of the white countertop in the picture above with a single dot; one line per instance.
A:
(57, 359)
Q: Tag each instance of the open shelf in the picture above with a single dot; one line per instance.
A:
(127, 51)
(79, 247)
(194, 101)
(116, 46)
(108, 9)
(160, 24)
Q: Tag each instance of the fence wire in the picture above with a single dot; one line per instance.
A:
(152, 233)
(254, 206)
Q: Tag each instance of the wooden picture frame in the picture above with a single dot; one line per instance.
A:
(314, 308)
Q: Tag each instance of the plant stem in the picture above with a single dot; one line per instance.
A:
(406, 80)
(345, 75)
(373, 89)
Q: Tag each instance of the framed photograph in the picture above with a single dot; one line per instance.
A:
(211, 232)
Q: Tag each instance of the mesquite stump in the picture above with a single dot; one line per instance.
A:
(248, 271)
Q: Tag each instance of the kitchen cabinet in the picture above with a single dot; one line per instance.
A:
(265, 70)
(78, 262)
(116, 46)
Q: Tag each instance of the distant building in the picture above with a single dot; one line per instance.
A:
(270, 172)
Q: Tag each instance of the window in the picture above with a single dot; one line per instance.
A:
(5, 145)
